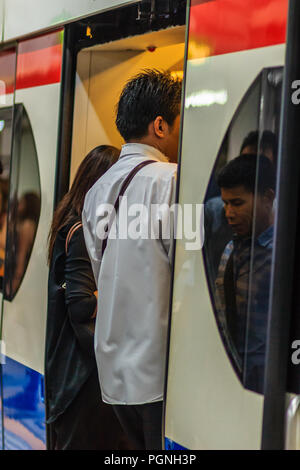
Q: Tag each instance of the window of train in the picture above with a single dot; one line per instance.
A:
(7, 86)
(239, 217)
(24, 202)
(5, 152)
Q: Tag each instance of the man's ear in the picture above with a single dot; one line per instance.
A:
(160, 127)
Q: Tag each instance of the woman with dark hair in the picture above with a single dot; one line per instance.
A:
(76, 416)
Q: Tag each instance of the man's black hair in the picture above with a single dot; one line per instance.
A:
(149, 94)
(242, 171)
(268, 140)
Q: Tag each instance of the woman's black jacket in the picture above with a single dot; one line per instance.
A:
(69, 357)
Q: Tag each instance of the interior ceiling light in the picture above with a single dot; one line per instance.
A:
(206, 98)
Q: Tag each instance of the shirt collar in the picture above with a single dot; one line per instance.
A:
(266, 237)
(146, 150)
(263, 239)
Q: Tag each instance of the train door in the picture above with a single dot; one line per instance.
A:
(31, 174)
(7, 89)
(224, 333)
(101, 54)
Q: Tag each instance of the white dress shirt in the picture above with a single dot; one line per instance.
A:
(133, 280)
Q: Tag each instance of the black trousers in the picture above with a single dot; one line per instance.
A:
(88, 423)
(142, 424)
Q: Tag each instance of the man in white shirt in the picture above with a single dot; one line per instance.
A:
(133, 277)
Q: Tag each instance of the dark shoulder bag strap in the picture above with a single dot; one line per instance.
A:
(71, 233)
(122, 191)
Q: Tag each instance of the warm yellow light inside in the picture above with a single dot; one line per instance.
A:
(177, 74)
(89, 32)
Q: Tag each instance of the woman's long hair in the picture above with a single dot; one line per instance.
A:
(94, 165)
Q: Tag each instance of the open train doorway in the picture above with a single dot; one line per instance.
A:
(103, 69)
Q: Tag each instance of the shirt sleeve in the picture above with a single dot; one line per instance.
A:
(80, 288)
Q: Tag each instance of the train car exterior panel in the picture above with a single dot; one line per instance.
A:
(24, 318)
(37, 95)
(7, 77)
(198, 416)
(37, 15)
(23, 407)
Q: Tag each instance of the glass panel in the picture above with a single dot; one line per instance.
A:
(239, 211)
(7, 88)
(5, 152)
(25, 202)
(7, 80)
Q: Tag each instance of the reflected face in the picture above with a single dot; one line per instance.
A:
(172, 140)
(240, 210)
(238, 206)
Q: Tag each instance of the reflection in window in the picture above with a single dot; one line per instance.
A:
(24, 204)
(3, 224)
(242, 284)
(239, 214)
(5, 153)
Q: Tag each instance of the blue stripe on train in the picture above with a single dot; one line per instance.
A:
(172, 445)
(23, 407)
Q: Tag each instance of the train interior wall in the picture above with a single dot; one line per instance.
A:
(103, 70)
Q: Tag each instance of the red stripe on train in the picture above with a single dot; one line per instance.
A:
(224, 26)
(40, 67)
(39, 63)
(39, 60)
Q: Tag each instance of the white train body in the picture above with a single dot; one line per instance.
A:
(62, 67)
